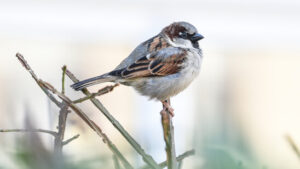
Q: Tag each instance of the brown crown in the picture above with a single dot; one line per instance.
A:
(172, 31)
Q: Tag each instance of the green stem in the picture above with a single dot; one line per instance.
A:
(46, 87)
(293, 145)
(116, 162)
(147, 158)
(168, 130)
(70, 139)
(179, 159)
(64, 68)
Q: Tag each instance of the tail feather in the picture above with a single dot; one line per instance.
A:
(92, 81)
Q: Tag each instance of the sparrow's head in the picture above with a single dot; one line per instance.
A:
(182, 34)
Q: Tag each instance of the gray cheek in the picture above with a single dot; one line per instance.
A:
(183, 42)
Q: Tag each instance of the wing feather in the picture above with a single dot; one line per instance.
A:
(165, 62)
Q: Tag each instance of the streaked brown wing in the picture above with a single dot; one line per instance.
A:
(155, 65)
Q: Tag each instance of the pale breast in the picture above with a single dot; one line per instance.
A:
(165, 87)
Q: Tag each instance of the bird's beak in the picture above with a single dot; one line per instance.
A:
(196, 37)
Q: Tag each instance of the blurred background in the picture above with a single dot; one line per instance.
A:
(236, 114)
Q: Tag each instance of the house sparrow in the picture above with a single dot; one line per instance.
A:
(160, 67)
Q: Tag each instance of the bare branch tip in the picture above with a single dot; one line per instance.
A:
(53, 133)
(64, 68)
(71, 139)
(18, 54)
(22, 60)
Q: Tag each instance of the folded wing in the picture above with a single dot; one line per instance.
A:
(162, 63)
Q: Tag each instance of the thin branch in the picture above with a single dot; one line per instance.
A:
(113, 148)
(62, 120)
(53, 133)
(28, 68)
(293, 145)
(180, 164)
(46, 86)
(116, 162)
(100, 92)
(70, 139)
(147, 158)
(105, 139)
(168, 131)
(179, 159)
(64, 68)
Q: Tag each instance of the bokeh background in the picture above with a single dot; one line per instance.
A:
(236, 114)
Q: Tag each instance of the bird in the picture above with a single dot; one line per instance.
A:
(160, 67)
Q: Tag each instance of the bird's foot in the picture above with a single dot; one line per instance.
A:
(167, 107)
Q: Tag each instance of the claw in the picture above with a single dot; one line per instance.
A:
(167, 107)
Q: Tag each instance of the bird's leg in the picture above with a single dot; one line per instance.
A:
(168, 133)
(167, 107)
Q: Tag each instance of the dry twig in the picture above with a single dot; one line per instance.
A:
(62, 120)
(293, 145)
(46, 87)
(147, 158)
(179, 159)
(168, 129)
(28, 68)
(53, 133)
(100, 92)
(180, 164)
(70, 139)
(116, 162)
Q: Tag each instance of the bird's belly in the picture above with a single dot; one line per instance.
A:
(162, 88)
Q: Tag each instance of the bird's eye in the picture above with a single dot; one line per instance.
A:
(183, 35)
